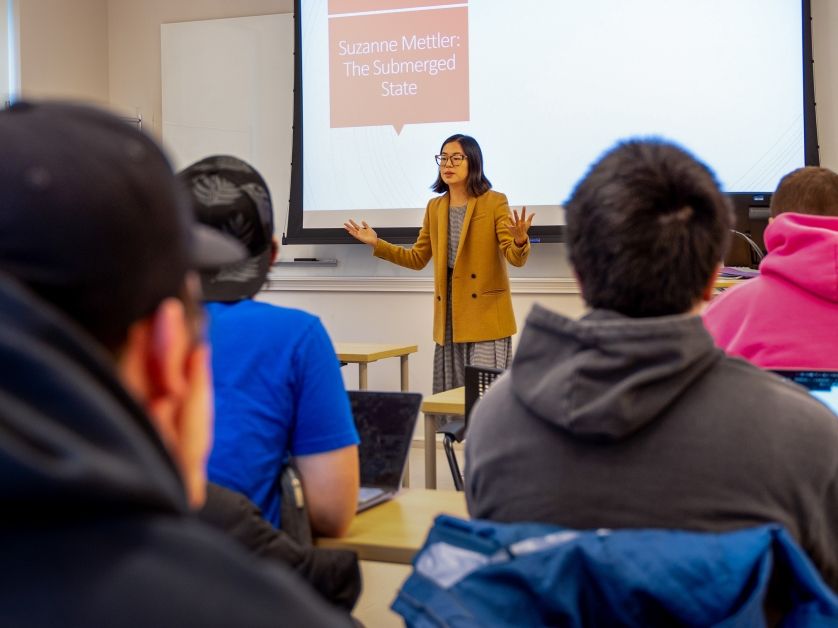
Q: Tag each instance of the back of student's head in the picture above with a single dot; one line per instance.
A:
(646, 228)
(231, 196)
(92, 218)
(809, 190)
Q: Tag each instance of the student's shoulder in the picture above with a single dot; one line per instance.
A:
(744, 289)
(254, 310)
(775, 399)
(725, 312)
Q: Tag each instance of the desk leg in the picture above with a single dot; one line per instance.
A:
(406, 482)
(430, 451)
(406, 476)
(405, 387)
(405, 381)
(362, 375)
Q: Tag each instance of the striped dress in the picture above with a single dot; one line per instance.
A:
(451, 357)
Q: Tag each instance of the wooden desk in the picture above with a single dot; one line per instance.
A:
(363, 353)
(394, 531)
(449, 402)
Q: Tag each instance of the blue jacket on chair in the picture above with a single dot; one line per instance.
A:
(480, 573)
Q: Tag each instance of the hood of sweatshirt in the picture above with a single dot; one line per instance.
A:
(803, 250)
(73, 442)
(606, 376)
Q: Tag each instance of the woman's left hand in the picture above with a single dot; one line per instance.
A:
(518, 226)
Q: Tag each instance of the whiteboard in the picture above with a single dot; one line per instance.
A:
(228, 88)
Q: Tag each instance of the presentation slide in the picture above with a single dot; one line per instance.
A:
(545, 87)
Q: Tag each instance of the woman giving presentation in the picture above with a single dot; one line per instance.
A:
(468, 231)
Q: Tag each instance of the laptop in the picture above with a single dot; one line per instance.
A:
(821, 384)
(385, 422)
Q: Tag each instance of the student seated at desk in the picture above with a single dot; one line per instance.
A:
(278, 387)
(786, 317)
(105, 387)
(631, 417)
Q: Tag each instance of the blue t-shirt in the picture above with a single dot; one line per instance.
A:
(278, 392)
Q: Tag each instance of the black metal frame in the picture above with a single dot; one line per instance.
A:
(478, 379)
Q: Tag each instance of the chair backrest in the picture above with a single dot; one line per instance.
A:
(293, 516)
(478, 380)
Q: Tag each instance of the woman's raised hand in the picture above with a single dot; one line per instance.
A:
(362, 232)
(518, 226)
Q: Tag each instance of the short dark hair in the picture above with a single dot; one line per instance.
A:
(646, 227)
(477, 182)
(809, 190)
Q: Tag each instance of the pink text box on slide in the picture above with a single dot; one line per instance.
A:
(363, 6)
(381, 68)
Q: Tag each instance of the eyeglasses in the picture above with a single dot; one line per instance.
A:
(455, 160)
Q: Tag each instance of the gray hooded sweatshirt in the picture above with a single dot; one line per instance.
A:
(618, 422)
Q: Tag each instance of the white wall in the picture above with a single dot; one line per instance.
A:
(134, 45)
(228, 88)
(63, 49)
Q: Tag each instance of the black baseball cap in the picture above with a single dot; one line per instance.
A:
(230, 195)
(92, 217)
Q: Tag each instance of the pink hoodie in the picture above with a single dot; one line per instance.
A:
(788, 316)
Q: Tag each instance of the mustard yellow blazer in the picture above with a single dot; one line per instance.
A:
(481, 306)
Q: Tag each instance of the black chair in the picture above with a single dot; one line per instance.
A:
(478, 379)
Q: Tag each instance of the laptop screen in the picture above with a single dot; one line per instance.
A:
(822, 384)
(385, 422)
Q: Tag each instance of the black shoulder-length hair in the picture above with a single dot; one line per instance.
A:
(477, 183)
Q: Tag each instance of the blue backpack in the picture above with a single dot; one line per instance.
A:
(479, 573)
